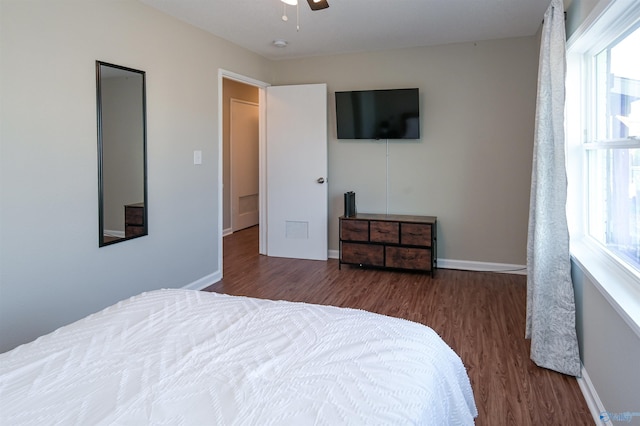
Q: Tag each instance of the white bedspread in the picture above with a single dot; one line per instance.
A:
(182, 357)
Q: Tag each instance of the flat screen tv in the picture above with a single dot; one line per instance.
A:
(378, 114)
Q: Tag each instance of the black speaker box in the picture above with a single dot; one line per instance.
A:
(349, 204)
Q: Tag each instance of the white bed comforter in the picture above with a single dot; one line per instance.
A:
(181, 357)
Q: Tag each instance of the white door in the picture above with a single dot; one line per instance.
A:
(244, 164)
(296, 154)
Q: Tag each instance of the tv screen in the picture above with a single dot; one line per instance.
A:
(378, 114)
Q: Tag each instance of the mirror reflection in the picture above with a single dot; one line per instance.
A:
(121, 111)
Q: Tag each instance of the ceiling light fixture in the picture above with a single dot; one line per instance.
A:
(285, 18)
(313, 4)
(280, 43)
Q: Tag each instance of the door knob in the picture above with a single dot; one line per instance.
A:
(320, 180)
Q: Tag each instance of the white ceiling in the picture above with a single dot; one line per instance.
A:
(349, 26)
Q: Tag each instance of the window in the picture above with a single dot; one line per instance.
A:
(603, 148)
(611, 83)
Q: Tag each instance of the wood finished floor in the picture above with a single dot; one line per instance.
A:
(481, 315)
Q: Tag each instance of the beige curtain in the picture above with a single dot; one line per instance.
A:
(550, 299)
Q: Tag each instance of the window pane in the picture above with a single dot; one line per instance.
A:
(617, 89)
(614, 209)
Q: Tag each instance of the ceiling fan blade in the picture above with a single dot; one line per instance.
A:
(318, 4)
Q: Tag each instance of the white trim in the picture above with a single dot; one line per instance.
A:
(227, 232)
(467, 265)
(241, 78)
(262, 159)
(220, 188)
(205, 281)
(629, 143)
(110, 233)
(607, 19)
(591, 397)
(575, 42)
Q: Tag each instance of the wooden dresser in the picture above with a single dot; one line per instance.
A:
(389, 241)
(134, 220)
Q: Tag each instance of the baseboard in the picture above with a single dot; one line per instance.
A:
(482, 266)
(117, 234)
(227, 231)
(591, 397)
(466, 265)
(205, 281)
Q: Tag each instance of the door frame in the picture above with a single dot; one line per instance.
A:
(262, 140)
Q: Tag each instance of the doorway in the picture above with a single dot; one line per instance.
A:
(304, 109)
(245, 86)
(244, 152)
(240, 155)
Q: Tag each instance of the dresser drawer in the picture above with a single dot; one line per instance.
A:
(385, 232)
(408, 258)
(364, 254)
(389, 241)
(354, 230)
(133, 231)
(134, 215)
(415, 234)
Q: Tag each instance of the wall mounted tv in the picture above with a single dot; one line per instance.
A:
(378, 114)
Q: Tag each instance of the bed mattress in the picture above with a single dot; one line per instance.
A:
(183, 357)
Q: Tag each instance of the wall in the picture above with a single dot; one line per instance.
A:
(577, 11)
(609, 348)
(472, 167)
(51, 269)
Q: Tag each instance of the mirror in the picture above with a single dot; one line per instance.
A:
(122, 153)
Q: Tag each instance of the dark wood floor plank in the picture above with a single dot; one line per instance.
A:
(481, 315)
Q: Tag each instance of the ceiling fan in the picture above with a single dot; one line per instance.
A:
(313, 4)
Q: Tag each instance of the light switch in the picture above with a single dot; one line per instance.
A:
(197, 157)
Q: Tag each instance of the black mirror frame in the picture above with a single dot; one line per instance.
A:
(101, 239)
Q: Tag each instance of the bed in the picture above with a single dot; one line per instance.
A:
(185, 357)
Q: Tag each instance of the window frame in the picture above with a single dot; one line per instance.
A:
(618, 281)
